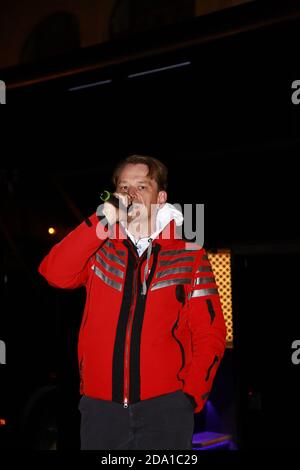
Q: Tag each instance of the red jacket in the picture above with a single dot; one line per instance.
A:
(133, 346)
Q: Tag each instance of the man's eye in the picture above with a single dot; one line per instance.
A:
(142, 187)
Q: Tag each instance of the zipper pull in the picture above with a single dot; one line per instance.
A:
(126, 403)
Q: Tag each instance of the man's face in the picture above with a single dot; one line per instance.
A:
(142, 191)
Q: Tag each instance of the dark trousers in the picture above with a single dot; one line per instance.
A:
(164, 422)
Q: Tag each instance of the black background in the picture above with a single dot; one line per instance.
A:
(229, 133)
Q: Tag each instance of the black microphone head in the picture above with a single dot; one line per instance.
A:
(107, 196)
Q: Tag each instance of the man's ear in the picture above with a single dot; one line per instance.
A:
(162, 198)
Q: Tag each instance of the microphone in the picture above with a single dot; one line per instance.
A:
(107, 196)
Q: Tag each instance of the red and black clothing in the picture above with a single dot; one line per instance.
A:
(136, 345)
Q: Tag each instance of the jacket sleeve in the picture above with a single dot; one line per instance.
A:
(67, 265)
(207, 331)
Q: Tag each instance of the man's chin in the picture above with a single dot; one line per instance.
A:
(138, 211)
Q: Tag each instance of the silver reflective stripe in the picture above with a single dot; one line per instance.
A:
(166, 272)
(107, 280)
(204, 280)
(110, 244)
(170, 282)
(203, 292)
(174, 252)
(204, 269)
(109, 268)
(204, 258)
(112, 257)
(121, 252)
(187, 259)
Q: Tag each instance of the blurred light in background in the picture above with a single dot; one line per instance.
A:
(221, 265)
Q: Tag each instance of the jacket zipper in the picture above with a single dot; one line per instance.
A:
(126, 363)
(128, 331)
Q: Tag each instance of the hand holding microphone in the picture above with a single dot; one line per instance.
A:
(116, 206)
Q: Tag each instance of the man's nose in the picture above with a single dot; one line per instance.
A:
(132, 193)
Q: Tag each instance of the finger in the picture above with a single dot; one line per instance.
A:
(123, 198)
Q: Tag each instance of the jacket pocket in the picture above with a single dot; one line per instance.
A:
(181, 350)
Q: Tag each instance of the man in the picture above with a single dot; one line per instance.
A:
(153, 332)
